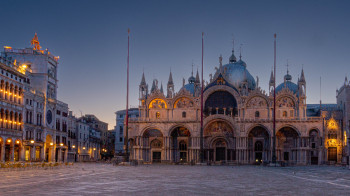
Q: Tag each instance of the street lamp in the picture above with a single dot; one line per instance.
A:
(32, 141)
(61, 144)
(73, 146)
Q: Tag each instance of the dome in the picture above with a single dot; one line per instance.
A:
(190, 88)
(237, 73)
(191, 79)
(290, 85)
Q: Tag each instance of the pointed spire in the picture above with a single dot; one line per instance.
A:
(220, 63)
(240, 52)
(161, 87)
(192, 69)
(197, 81)
(233, 58)
(154, 85)
(170, 81)
(143, 80)
(272, 79)
(287, 77)
(302, 77)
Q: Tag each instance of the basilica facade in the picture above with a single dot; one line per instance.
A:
(237, 123)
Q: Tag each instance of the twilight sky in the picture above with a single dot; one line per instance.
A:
(91, 39)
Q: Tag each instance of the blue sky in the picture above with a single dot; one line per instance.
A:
(91, 39)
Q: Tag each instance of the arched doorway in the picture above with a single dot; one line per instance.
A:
(258, 145)
(219, 129)
(220, 102)
(314, 146)
(156, 146)
(17, 150)
(287, 144)
(8, 148)
(48, 148)
(180, 141)
(152, 142)
(220, 147)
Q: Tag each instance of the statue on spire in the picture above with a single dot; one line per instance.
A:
(35, 43)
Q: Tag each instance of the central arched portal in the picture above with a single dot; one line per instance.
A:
(180, 142)
(220, 148)
(258, 145)
(152, 145)
(219, 142)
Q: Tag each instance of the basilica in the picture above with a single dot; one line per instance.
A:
(238, 121)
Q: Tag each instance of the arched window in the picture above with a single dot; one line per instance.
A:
(284, 113)
(158, 115)
(183, 114)
(156, 144)
(257, 114)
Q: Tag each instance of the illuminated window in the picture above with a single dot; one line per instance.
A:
(284, 113)
(158, 115)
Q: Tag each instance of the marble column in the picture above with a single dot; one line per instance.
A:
(12, 151)
(2, 158)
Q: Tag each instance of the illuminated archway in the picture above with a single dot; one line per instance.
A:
(157, 104)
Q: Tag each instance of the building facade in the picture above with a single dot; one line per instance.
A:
(119, 128)
(238, 121)
(42, 119)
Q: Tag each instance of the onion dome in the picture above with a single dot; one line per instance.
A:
(288, 84)
(233, 58)
(237, 74)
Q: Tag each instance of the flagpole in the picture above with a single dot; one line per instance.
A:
(201, 131)
(274, 106)
(127, 105)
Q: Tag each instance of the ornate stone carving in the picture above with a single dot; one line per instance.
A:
(256, 102)
(285, 102)
(184, 103)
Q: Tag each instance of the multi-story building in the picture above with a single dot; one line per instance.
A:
(45, 117)
(83, 140)
(14, 78)
(111, 143)
(237, 121)
(94, 144)
(101, 126)
(72, 137)
(119, 128)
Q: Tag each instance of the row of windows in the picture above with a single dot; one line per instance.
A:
(58, 125)
(5, 73)
(64, 114)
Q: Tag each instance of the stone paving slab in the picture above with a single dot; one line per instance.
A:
(105, 179)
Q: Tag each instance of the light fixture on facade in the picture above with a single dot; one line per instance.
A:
(61, 144)
(24, 66)
(51, 144)
(17, 141)
(94, 148)
(9, 141)
(32, 141)
(73, 146)
(83, 148)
